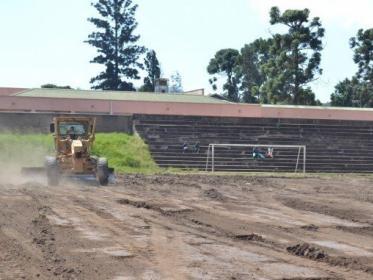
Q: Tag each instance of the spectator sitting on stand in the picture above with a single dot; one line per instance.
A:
(185, 147)
(269, 153)
(258, 154)
(196, 148)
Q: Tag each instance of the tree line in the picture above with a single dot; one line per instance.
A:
(275, 70)
(279, 69)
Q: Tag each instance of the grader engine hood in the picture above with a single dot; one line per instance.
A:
(77, 148)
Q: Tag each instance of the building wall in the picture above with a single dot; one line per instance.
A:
(91, 106)
(39, 122)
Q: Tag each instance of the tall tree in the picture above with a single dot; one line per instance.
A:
(153, 70)
(347, 94)
(295, 57)
(358, 91)
(225, 63)
(116, 45)
(362, 45)
(251, 60)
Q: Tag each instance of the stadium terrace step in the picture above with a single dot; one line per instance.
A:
(332, 146)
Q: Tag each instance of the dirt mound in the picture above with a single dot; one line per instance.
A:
(249, 237)
(310, 227)
(313, 253)
(137, 204)
(213, 194)
(307, 251)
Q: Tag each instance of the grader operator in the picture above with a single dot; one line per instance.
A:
(73, 141)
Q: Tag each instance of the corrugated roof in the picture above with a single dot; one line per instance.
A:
(120, 95)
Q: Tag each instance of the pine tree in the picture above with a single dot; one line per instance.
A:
(116, 45)
(252, 58)
(153, 70)
(225, 63)
(295, 57)
(358, 91)
(362, 45)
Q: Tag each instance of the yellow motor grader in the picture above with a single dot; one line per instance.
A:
(73, 140)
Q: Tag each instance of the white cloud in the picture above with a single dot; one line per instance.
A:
(344, 13)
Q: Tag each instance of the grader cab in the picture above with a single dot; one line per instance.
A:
(73, 141)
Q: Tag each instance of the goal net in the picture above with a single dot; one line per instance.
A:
(238, 157)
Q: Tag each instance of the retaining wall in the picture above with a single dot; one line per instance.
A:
(39, 122)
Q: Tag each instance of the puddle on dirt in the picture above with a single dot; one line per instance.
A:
(117, 252)
(58, 221)
(91, 234)
(346, 249)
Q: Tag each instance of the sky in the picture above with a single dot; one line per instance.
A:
(42, 41)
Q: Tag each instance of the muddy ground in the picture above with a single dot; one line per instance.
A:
(189, 227)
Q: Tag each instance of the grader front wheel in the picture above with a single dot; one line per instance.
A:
(103, 171)
(53, 176)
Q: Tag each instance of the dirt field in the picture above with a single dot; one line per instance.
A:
(189, 227)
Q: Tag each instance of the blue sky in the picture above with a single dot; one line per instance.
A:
(42, 40)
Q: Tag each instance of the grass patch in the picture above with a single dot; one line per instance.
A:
(126, 153)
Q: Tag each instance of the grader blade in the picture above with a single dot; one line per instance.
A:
(33, 171)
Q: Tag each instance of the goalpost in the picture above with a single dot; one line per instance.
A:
(301, 150)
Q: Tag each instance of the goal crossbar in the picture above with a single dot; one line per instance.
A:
(211, 152)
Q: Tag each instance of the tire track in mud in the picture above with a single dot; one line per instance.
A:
(12, 256)
(44, 238)
(203, 226)
(192, 219)
(317, 254)
(27, 241)
(187, 223)
(320, 208)
(98, 235)
(367, 231)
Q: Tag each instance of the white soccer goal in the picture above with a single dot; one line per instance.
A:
(211, 152)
